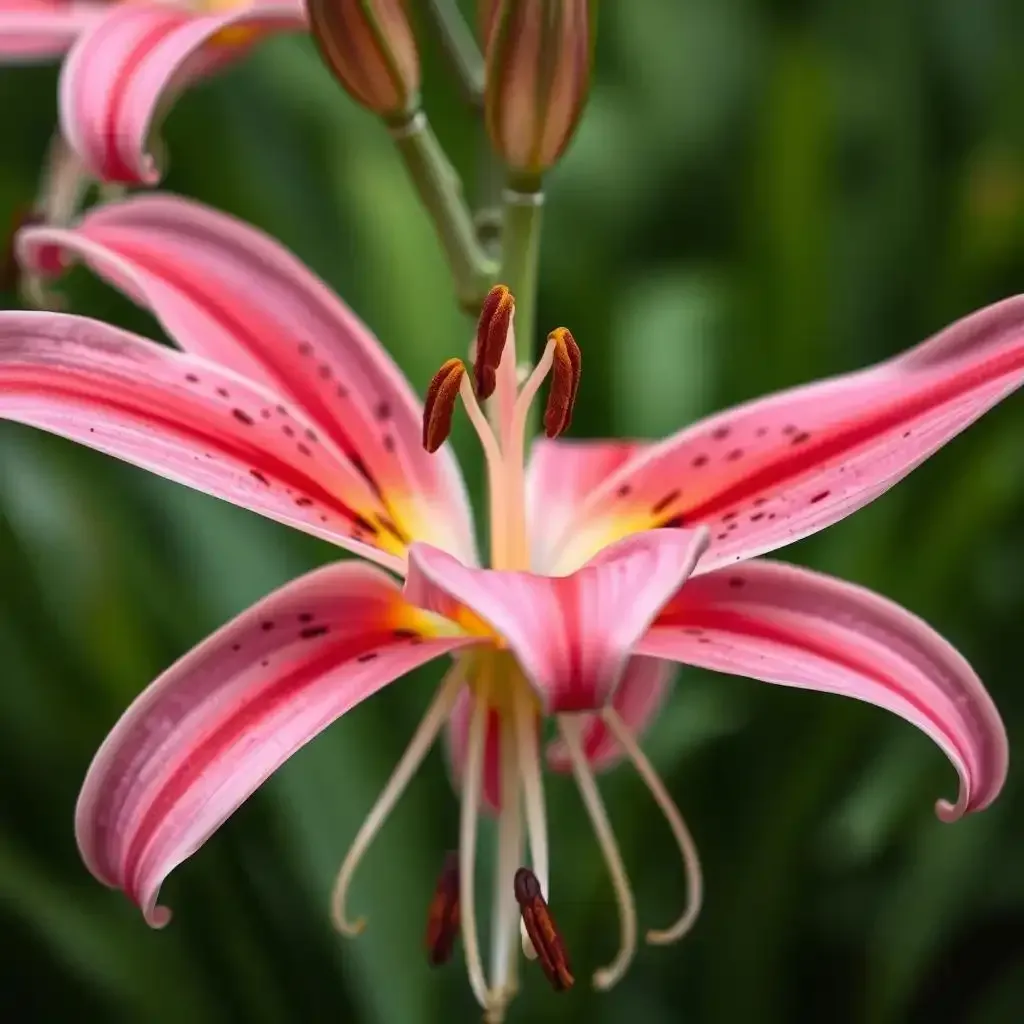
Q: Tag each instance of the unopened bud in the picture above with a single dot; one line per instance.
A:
(443, 916)
(370, 48)
(439, 405)
(538, 77)
(491, 333)
(566, 367)
(543, 931)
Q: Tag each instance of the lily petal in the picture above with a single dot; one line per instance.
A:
(787, 625)
(190, 421)
(770, 472)
(226, 291)
(201, 738)
(640, 696)
(33, 30)
(571, 635)
(559, 476)
(118, 72)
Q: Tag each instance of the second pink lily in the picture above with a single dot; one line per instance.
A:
(610, 561)
(126, 58)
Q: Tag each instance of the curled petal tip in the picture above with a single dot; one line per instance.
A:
(950, 812)
(158, 917)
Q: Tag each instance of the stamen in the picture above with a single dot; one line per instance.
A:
(571, 730)
(533, 794)
(421, 742)
(542, 930)
(687, 847)
(469, 817)
(443, 916)
(565, 382)
(505, 924)
(491, 332)
(439, 405)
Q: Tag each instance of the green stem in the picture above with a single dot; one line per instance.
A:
(440, 190)
(460, 44)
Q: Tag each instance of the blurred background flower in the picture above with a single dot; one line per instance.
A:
(759, 193)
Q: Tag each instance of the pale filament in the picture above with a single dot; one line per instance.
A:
(571, 729)
(505, 920)
(420, 744)
(468, 820)
(533, 798)
(496, 475)
(507, 383)
(687, 847)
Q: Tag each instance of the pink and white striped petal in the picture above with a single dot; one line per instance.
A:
(571, 635)
(560, 475)
(191, 421)
(201, 738)
(127, 66)
(770, 472)
(35, 30)
(639, 698)
(226, 291)
(787, 625)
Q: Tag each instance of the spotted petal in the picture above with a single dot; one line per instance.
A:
(571, 635)
(33, 30)
(201, 738)
(189, 420)
(226, 291)
(119, 72)
(787, 625)
(770, 472)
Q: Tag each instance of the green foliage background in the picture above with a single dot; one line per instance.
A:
(761, 193)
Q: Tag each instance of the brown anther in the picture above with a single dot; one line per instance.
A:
(565, 382)
(543, 931)
(443, 916)
(491, 333)
(439, 405)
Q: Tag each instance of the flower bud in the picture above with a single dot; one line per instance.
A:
(370, 48)
(538, 76)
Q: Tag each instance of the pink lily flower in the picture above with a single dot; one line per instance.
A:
(125, 61)
(609, 561)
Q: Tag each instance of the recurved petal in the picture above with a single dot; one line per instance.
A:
(787, 625)
(42, 29)
(202, 737)
(572, 635)
(765, 474)
(640, 696)
(224, 290)
(119, 72)
(189, 420)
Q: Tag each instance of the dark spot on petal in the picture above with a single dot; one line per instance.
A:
(675, 523)
(404, 634)
(342, 391)
(820, 496)
(267, 626)
(191, 378)
(389, 443)
(257, 475)
(693, 630)
(801, 437)
(325, 371)
(288, 430)
(242, 417)
(265, 662)
(323, 519)
(310, 435)
(623, 491)
(704, 640)
(305, 349)
(664, 503)
(265, 413)
(721, 536)
(732, 526)
(313, 631)
(282, 410)
(236, 647)
(756, 517)
(303, 502)
(304, 449)
(368, 656)
(698, 461)
(383, 410)
(789, 429)
(223, 392)
(906, 434)
(736, 582)
(729, 517)
(771, 515)
(720, 433)
(305, 616)
(735, 454)
(761, 431)
(760, 501)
